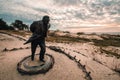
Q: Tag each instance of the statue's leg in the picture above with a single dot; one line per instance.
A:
(33, 49)
(43, 49)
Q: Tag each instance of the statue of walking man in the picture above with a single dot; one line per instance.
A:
(39, 31)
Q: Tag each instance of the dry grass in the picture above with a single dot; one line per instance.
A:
(20, 32)
(65, 39)
(110, 40)
(111, 53)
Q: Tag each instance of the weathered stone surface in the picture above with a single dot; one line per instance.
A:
(26, 66)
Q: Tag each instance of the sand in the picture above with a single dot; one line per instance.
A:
(64, 68)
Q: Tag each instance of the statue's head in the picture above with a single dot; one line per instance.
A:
(46, 19)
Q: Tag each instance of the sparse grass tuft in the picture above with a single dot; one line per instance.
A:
(65, 39)
(80, 33)
(111, 53)
(110, 40)
(20, 32)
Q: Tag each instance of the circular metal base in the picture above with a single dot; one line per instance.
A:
(26, 66)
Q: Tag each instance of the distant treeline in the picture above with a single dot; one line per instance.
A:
(17, 25)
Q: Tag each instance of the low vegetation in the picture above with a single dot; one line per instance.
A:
(17, 32)
(110, 40)
(80, 33)
(18, 24)
(65, 39)
(111, 53)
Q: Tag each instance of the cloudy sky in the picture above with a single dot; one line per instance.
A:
(72, 15)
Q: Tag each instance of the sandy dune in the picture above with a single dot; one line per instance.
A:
(64, 68)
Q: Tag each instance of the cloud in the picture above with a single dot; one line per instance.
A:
(66, 2)
(63, 13)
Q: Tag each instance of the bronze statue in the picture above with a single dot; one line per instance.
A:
(39, 31)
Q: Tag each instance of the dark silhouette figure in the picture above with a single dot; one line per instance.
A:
(39, 30)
